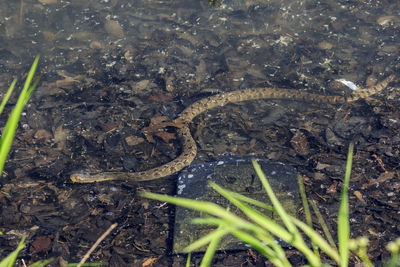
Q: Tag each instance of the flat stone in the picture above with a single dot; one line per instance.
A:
(237, 175)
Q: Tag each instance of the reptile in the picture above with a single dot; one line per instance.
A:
(189, 148)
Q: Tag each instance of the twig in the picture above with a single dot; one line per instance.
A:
(84, 259)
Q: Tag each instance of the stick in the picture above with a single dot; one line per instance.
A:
(84, 259)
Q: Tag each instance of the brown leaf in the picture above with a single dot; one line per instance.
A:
(332, 188)
(150, 261)
(133, 140)
(359, 197)
(161, 97)
(165, 136)
(42, 243)
(300, 143)
(158, 120)
(385, 176)
(156, 128)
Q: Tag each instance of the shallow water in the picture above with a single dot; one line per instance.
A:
(109, 67)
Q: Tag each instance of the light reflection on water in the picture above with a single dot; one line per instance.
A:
(233, 44)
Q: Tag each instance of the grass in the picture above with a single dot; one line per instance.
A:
(12, 122)
(7, 138)
(261, 232)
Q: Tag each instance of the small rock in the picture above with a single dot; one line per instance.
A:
(385, 20)
(321, 166)
(142, 85)
(60, 137)
(133, 140)
(42, 134)
(324, 45)
(113, 28)
(319, 176)
(95, 45)
(42, 243)
(129, 162)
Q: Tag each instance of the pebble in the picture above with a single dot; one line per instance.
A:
(142, 85)
(133, 140)
(324, 45)
(113, 28)
(96, 45)
(385, 20)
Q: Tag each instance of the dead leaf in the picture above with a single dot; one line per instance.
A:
(150, 261)
(332, 188)
(300, 143)
(359, 197)
(68, 79)
(60, 137)
(42, 134)
(156, 128)
(42, 243)
(160, 97)
(133, 140)
(385, 176)
(113, 28)
(165, 136)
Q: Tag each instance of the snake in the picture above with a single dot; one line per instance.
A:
(189, 147)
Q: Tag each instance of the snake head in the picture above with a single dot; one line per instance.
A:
(82, 177)
(89, 177)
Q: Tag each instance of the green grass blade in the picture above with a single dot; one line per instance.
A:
(32, 87)
(394, 261)
(394, 248)
(278, 258)
(256, 231)
(12, 122)
(323, 225)
(204, 206)
(12, 257)
(343, 217)
(256, 216)
(7, 96)
(297, 240)
(217, 211)
(41, 263)
(203, 241)
(318, 240)
(306, 208)
(271, 226)
(249, 238)
(189, 257)
(263, 244)
(304, 201)
(211, 249)
(31, 74)
(274, 200)
(251, 201)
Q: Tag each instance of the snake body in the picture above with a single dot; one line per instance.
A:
(189, 147)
